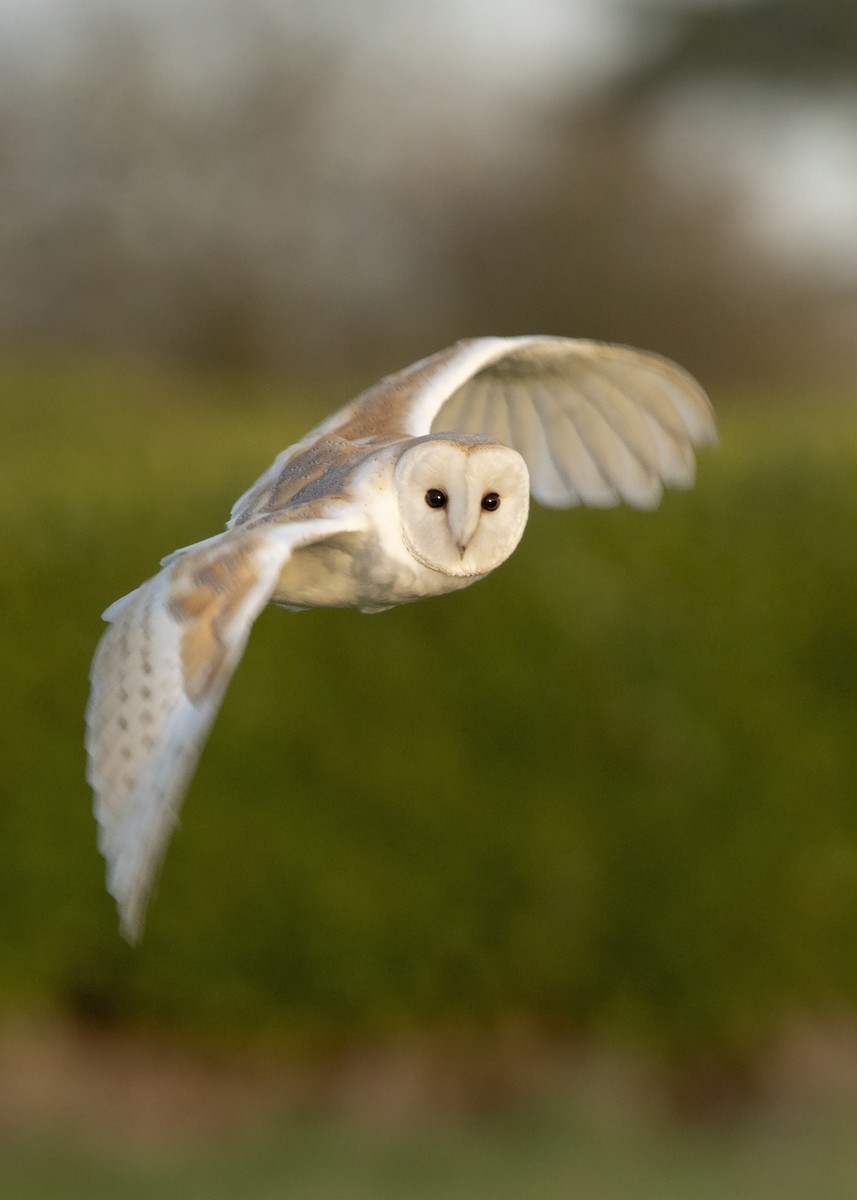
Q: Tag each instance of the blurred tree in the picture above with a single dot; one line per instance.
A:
(785, 40)
(604, 247)
(281, 208)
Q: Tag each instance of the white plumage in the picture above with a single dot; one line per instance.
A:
(418, 487)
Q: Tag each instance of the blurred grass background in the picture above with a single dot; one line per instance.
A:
(606, 797)
(550, 1154)
(610, 790)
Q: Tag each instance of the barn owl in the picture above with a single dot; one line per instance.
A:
(418, 487)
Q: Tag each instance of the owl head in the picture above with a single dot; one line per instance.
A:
(463, 502)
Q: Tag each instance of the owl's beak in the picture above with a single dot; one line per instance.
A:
(462, 524)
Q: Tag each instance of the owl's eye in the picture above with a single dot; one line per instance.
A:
(490, 501)
(435, 498)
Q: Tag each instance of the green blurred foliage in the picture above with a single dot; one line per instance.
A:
(610, 791)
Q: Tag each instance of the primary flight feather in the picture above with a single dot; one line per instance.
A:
(418, 487)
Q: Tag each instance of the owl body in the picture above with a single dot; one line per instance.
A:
(418, 487)
(377, 567)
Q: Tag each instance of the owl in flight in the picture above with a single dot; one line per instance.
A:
(419, 486)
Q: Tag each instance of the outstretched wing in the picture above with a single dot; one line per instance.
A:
(596, 423)
(158, 678)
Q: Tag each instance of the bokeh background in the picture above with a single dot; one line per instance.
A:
(545, 889)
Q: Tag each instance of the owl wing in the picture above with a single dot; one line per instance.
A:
(596, 423)
(158, 677)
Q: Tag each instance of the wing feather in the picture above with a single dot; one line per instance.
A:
(158, 678)
(535, 411)
(477, 406)
(609, 426)
(586, 479)
(596, 423)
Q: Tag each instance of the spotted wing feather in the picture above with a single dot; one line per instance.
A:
(157, 681)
